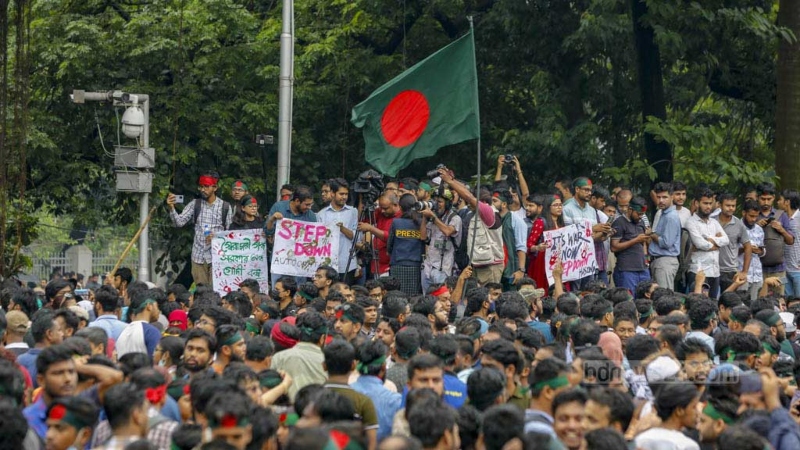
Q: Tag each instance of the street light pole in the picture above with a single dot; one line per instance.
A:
(286, 82)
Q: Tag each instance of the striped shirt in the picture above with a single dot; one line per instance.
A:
(210, 215)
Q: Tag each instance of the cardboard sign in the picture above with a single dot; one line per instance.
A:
(300, 247)
(237, 256)
(575, 246)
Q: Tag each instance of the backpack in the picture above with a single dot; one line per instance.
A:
(774, 244)
(226, 209)
(461, 255)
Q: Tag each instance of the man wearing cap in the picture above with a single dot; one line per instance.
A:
(211, 215)
(444, 230)
(707, 237)
(17, 327)
(628, 240)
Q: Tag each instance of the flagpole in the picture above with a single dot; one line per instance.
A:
(478, 120)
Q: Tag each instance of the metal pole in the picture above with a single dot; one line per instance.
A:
(285, 96)
(144, 206)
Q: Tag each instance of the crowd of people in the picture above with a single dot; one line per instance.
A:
(436, 329)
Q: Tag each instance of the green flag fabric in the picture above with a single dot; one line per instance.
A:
(429, 106)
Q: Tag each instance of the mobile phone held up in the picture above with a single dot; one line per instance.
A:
(178, 199)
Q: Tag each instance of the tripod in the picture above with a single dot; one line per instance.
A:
(367, 215)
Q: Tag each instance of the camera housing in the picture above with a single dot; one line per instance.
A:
(421, 206)
(508, 159)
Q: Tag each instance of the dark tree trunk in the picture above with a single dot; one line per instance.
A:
(651, 89)
(787, 109)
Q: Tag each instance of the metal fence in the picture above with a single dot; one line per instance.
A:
(45, 262)
(103, 263)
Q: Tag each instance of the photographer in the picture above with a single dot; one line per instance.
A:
(515, 180)
(406, 244)
(389, 210)
(444, 231)
(485, 230)
(340, 215)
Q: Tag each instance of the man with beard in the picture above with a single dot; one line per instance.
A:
(58, 375)
(739, 242)
(444, 230)
(344, 217)
(435, 311)
(198, 352)
(298, 208)
(579, 210)
(389, 207)
(777, 233)
(629, 236)
(755, 277)
(777, 329)
(707, 237)
(666, 239)
(232, 347)
(349, 320)
(211, 215)
(696, 358)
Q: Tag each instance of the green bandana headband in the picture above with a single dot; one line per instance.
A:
(553, 383)
(647, 313)
(228, 421)
(769, 348)
(310, 331)
(712, 412)
(233, 339)
(305, 296)
(732, 354)
(249, 327)
(364, 368)
(270, 382)
(60, 413)
(141, 307)
(735, 319)
(239, 184)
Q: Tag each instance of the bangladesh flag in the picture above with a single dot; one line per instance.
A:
(429, 106)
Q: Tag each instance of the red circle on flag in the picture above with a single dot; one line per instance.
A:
(405, 118)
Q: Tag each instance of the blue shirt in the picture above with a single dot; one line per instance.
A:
(112, 326)
(455, 391)
(283, 208)
(36, 415)
(669, 234)
(544, 329)
(348, 216)
(28, 361)
(386, 403)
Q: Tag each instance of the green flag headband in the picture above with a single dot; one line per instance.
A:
(769, 348)
(141, 307)
(305, 296)
(364, 368)
(647, 313)
(60, 413)
(251, 328)
(712, 412)
(233, 339)
(553, 383)
(772, 319)
(270, 381)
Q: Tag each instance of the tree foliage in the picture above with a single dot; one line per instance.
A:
(558, 86)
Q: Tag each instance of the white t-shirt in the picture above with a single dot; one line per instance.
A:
(663, 439)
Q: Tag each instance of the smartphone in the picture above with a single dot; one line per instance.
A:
(178, 199)
(81, 292)
(770, 220)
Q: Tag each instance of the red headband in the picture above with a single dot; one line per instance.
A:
(401, 185)
(206, 180)
(440, 291)
(253, 201)
(186, 390)
(496, 195)
(57, 412)
(156, 395)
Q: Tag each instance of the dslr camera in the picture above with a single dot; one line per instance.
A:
(435, 172)
(369, 186)
(508, 159)
(421, 206)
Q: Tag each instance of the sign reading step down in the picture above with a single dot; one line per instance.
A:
(300, 247)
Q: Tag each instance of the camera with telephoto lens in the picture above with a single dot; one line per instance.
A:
(435, 172)
(421, 206)
(508, 159)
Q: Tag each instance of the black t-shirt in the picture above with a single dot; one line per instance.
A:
(632, 258)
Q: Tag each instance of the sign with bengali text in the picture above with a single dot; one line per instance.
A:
(237, 256)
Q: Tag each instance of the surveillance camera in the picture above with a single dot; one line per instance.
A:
(133, 122)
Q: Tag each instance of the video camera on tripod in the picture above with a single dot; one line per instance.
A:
(369, 186)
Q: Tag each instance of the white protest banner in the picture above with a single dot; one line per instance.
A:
(236, 256)
(300, 247)
(575, 246)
